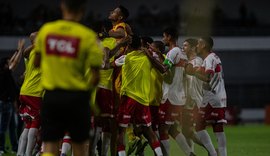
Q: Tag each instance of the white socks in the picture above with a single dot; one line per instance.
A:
(95, 140)
(206, 141)
(221, 139)
(182, 143)
(158, 151)
(65, 148)
(31, 141)
(22, 142)
(121, 153)
(166, 146)
(106, 140)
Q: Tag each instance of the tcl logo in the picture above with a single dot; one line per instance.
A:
(62, 45)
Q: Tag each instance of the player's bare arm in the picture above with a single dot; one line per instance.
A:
(157, 64)
(37, 59)
(15, 59)
(202, 75)
(122, 43)
(190, 69)
(27, 51)
(119, 33)
(96, 76)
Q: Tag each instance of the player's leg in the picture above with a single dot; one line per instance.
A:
(96, 135)
(34, 103)
(218, 128)
(66, 145)
(142, 118)
(163, 127)
(24, 135)
(180, 139)
(78, 121)
(202, 134)
(106, 136)
(125, 110)
(221, 139)
(56, 115)
(133, 140)
(188, 126)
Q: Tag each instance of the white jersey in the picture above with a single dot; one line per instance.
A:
(214, 91)
(194, 88)
(175, 92)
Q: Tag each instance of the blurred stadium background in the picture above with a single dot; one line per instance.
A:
(240, 28)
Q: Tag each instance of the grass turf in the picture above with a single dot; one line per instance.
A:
(243, 140)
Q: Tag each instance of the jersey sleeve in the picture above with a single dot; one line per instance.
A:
(209, 64)
(197, 62)
(175, 55)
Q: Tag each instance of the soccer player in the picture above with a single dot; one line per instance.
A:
(138, 142)
(104, 95)
(118, 17)
(120, 30)
(174, 96)
(193, 92)
(156, 48)
(66, 50)
(135, 92)
(30, 98)
(212, 110)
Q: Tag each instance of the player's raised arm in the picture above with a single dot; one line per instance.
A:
(15, 59)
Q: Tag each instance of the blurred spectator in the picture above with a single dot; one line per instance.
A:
(8, 95)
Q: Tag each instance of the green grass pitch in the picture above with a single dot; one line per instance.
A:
(243, 140)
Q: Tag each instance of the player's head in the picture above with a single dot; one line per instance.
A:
(157, 46)
(205, 44)
(170, 34)
(119, 14)
(135, 42)
(32, 36)
(146, 40)
(74, 7)
(189, 45)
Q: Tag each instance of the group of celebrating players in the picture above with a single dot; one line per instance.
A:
(83, 87)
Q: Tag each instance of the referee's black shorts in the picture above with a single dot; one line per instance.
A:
(65, 111)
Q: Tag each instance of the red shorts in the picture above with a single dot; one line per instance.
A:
(131, 110)
(188, 117)
(210, 115)
(104, 99)
(30, 110)
(30, 105)
(169, 113)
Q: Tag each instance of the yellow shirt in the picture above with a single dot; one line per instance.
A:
(120, 25)
(106, 75)
(156, 87)
(31, 85)
(136, 77)
(67, 50)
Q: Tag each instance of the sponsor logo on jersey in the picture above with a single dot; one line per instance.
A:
(66, 46)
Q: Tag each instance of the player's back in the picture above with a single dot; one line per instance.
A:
(67, 49)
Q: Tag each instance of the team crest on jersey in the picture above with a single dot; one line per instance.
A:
(62, 45)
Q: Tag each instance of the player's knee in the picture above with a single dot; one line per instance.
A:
(187, 132)
(173, 131)
(218, 127)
